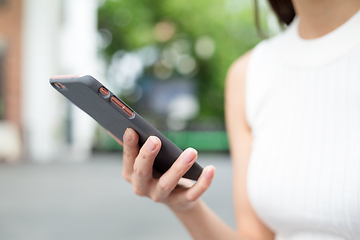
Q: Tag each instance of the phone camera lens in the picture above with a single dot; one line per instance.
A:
(103, 91)
(59, 85)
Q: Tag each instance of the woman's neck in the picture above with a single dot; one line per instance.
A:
(319, 17)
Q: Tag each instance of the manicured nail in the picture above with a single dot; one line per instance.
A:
(151, 143)
(189, 155)
(128, 136)
(210, 171)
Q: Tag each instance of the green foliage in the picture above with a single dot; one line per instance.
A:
(210, 141)
(1, 109)
(229, 23)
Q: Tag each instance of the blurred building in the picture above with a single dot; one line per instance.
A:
(10, 58)
(40, 39)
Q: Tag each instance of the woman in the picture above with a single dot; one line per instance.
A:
(294, 131)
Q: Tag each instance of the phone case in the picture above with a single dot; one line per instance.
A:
(115, 116)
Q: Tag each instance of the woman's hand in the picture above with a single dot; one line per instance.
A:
(168, 189)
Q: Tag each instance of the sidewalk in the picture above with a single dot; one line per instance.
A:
(91, 201)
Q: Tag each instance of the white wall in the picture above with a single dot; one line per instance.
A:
(59, 37)
(79, 56)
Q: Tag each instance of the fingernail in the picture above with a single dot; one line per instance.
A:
(189, 155)
(151, 144)
(210, 171)
(128, 136)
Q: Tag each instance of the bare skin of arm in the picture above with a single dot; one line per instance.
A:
(249, 225)
(201, 222)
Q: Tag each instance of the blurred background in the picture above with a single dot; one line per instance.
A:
(59, 170)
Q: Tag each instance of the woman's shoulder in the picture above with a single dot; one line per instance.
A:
(262, 48)
(237, 72)
(240, 64)
(264, 51)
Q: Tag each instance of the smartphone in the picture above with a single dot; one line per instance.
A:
(116, 116)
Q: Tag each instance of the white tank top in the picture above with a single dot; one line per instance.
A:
(303, 106)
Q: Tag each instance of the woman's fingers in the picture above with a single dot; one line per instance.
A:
(143, 165)
(130, 152)
(186, 183)
(201, 185)
(169, 180)
(138, 169)
(182, 198)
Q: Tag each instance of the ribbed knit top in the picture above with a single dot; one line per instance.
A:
(303, 107)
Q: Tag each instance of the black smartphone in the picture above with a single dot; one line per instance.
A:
(116, 116)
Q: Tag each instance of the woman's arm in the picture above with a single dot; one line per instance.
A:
(249, 225)
(200, 221)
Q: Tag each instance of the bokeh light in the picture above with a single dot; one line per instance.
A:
(164, 31)
(205, 47)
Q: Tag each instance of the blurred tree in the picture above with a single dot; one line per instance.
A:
(1, 85)
(1, 109)
(214, 32)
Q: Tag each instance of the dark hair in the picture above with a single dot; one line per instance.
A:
(283, 9)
